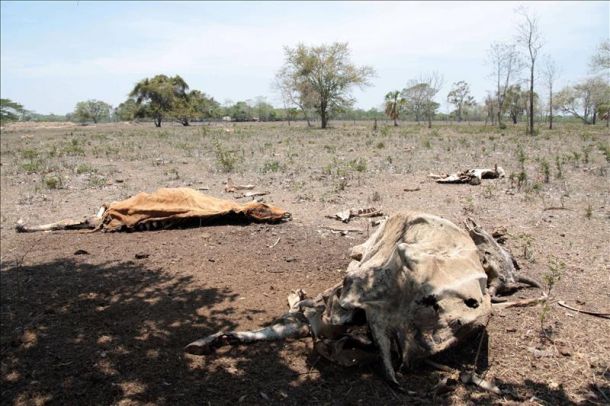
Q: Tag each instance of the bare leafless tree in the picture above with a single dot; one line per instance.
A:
(550, 73)
(506, 64)
(419, 95)
(530, 38)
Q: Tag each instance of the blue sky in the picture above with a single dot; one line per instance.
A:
(54, 54)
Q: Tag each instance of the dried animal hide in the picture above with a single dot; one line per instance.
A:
(415, 288)
(471, 176)
(166, 206)
(500, 266)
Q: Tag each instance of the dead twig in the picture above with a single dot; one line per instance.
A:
(603, 315)
(275, 243)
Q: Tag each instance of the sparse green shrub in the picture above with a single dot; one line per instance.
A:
(589, 211)
(85, 168)
(605, 150)
(380, 145)
(358, 165)
(545, 170)
(226, 160)
(271, 166)
(559, 167)
(52, 181)
(73, 148)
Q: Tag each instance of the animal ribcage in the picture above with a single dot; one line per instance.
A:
(156, 225)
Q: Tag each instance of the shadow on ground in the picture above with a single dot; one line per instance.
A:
(74, 333)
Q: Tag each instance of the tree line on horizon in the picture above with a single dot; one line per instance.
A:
(315, 84)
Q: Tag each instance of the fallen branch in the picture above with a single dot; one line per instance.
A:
(603, 315)
(251, 194)
(342, 230)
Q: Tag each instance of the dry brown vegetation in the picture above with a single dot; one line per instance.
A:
(109, 328)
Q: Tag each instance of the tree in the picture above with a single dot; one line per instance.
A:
(126, 111)
(10, 110)
(530, 38)
(394, 103)
(601, 60)
(322, 77)
(158, 97)
(515, 102)
(550, 73)
(92, 110)
(460, 97)
(195, 105)
(506, 64)
(419, 95)
(584, 100)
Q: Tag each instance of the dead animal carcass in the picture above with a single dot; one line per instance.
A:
(414, 288)
(471, 176)
(167, 207)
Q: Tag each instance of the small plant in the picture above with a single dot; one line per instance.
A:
(380, 145)
(545, 169)
(426, 143)
(385, 131)
(376, 197)
(521, 157)
(271, 166)
(226, 160)
(605, 150)
(85, 168)
(173, 174)
(97, 181)
(358, 165)
(586, 151)
(589, 211)
(555, 270)
(52, 182)
(559, 167)
(73, 148)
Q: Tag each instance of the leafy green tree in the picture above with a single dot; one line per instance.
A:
(10, 110)
(394, 104)
(196, 105)
(515, 102)
(92, 110)
(159, 97)
(126, 111)
(584, 100)
(322, 76)
(460, 97)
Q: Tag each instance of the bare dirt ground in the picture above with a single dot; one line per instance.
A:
(107, 327)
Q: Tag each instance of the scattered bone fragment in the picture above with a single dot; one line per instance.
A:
(346, 215)
(231, 187)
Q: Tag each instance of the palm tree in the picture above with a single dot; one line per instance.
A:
(393, 105)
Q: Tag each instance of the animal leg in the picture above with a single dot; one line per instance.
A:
(289, 327)
(385, 350)
(87, 223)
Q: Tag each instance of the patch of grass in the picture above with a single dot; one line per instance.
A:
(85, 168)
(97, 181)
(589, 212)
(380, 145)
(271, 166)
(605, 150)
(52, 181)
(545, 170)
(359, 165)
(73, 148)
(225, 159)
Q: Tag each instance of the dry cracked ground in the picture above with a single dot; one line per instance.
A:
(108, 326)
